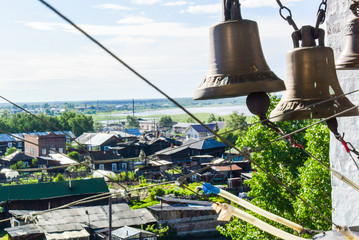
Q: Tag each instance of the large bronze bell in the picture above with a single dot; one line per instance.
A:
(236, 63)
(349, 59)
(311, 78)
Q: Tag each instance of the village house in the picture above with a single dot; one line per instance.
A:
(7, 161)
(197, 131)
(98, 141)
(43, 145)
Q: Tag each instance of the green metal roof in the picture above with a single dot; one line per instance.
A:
(52, 189)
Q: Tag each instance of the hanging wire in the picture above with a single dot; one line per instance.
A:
(186, 111)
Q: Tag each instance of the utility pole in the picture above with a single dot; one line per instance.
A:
(133, 107)
(110, 218)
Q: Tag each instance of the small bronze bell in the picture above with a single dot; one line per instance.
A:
(236, 63)
(311, 78)
(349, 59)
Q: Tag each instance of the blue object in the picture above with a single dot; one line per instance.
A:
(209, 188)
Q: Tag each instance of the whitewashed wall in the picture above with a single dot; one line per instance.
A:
(345, 200)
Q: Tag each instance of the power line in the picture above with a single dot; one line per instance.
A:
(184, 109)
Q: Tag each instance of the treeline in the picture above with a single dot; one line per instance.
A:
(24, 122)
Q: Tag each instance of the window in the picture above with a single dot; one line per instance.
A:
(52, 150)
(61, 150)
(19, 144)
(43, 151)
(101, 167)
(9, 144)
(114, 166)
(124, 165)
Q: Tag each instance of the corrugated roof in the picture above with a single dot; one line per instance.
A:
(23, 230)
(133, 131)
(62, 158)
(184, 201)
(52, 189)
(97, 216)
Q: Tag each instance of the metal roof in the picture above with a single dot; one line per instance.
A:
(204, 144)
(199, 128)
(16, 156)
(184, 201)
(94, 139)
(171, 150)
(97, 217)
(227, 168)
(23, 230)
(52, 190)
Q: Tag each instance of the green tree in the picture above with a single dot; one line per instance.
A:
(74, 155)
(132, 122)
(59, 178)
(166, 121)
(190, 120)
(291, 166)
(212, 118)
(18, 165)
(11, 150)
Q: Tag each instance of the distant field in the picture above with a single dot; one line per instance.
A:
(176, 118)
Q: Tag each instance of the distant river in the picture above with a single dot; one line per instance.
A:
(225, 110)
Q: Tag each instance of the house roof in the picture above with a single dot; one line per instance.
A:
(227, 168)
(16, 156)
(94, 139)
(184, 201)
(52, 189)
(127, 232)
(171, 150)
(199, 128)
(23, 230)
(61, 158)
(133, 131)
(122, 134)
(204, 144)
(97, 217)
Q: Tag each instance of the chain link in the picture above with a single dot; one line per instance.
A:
(321, 13)
(288, 17)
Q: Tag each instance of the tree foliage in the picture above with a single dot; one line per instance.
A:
(23, 122)
(132, 122)
(11, 150)
(166, 121)
(236, 126)
(292, 167)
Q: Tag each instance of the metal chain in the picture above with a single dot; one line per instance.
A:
(288, 17)
(354, 7)
(321, 13)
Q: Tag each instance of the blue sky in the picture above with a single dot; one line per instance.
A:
(45, 59)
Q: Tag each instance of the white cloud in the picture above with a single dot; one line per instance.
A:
(200, 9)
(145, 2)
(110, 6)
(175, 4)
(145, 27)
(135, 20)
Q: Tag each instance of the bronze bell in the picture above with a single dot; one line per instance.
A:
(311, 78)
(236, 62)
(349, 59)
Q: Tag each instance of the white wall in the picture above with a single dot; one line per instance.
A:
(345, 199)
